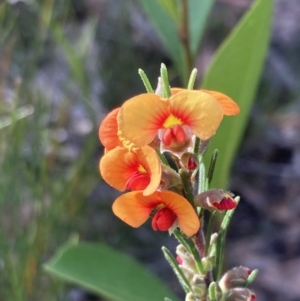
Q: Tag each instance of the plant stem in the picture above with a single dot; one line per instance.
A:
(212, 165)
(184, 35)
(186, 186)
(221, 242)
(209, 231)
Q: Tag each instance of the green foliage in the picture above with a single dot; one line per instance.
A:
(166, 16)
(108, 273)
(235, 71)
(39, 193)
(198, 14)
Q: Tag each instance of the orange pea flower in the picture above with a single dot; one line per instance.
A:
(108, 131)
(134, 209)
(184, 113)
(139, 169)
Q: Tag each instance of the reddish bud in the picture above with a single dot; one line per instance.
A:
(189, 161)
(240, 294)
(227, 203)
(234, 278)
(215, 199)
(163, 219)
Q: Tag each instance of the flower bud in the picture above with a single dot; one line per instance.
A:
(186, 259)
(189, 161)
(208, 262)
(199, 286)
(188, 273)
(213, 238)
(190, 297)
(234, 278)
(214, 291)
(169, 178)
(215, 199)
(239, 294)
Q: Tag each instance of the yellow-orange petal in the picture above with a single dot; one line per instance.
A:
(108, 131)
(141, 117)
(199, 110)
(148, 158)
(176, 90)
(229, 106)
(188, 220)
(119, 165)
(134, 208)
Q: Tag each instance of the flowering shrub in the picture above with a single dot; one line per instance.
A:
(154, 146)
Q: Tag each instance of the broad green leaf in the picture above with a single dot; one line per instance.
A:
(168, 30)
(108, 273)
(198, 15)
(235, 71)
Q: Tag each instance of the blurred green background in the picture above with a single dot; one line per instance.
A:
(63, 66)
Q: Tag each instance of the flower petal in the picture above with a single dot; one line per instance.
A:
(119, 165)
(187, 218)
(149, 160)
(108, 130)
(229, 106)
(197, 109)
(134, 208)
(141, 117)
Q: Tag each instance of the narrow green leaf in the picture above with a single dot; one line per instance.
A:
(235, 71)
(146, 81)
(18, 114)
(198, 15)
(167, 29)
(251, 277)
(106, 272)
(177, 271)
(192, 79)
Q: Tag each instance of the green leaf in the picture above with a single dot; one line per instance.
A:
(106, 272)
(198, 15)
(235, 71)
(165, 16)
(167, 28)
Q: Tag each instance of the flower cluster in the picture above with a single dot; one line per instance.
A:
(144, 126)
(154, 145)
